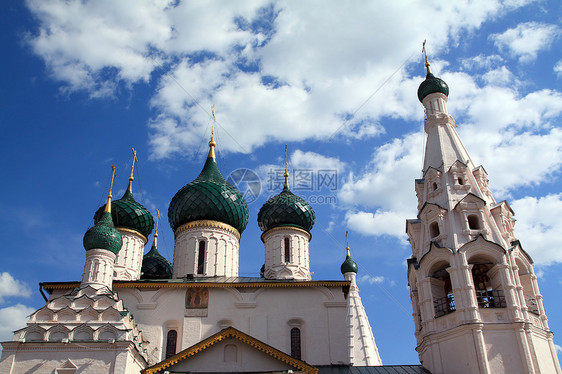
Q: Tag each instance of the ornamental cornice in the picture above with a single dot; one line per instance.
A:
(133, 232)
(285, 228)
(140, 285)
(208, 224)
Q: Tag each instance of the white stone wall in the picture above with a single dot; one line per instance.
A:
(268, 314)
(276, 266)
(86, 357)
(221, 251)
(98, 269)
(128, 262)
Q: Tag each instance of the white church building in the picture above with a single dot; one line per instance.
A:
(475, 298)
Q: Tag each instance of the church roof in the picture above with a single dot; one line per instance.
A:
(128, 213)
(210, 282)
(209, 197)
(103, 235)
(286, 209)
(384, 369)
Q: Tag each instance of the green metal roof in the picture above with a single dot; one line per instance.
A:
(209, 197)
(103, 235)
(129, 214)
(155, 266)
(348, 266)
(286, 209)
(430, 85)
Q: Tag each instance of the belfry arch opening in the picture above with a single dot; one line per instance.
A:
(526, 278)
(487, 284)
(441, 290)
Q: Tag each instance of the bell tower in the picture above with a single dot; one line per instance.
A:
(476, 302)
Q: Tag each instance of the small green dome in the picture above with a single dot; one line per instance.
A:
(103, 235)
(430, 85)
(209, 197)
(348, 266)
(286, 209)
(129, 214)
(155, 266)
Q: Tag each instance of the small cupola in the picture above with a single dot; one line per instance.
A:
(154, 265)
(209, 197)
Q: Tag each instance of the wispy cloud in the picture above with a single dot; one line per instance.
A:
(526, 40)
(10, 287)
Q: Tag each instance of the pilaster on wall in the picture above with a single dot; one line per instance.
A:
(128, 262)
(206, 249)
(98, 269)
(286, 253)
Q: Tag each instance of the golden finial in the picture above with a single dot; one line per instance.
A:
(212, 143)
(425, 53)
(156, 230)
(286, 174)
(131, 178)
(347, 242)
(108, 204)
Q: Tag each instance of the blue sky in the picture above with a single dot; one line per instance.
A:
(85, 81)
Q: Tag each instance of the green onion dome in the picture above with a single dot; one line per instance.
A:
(129, 214)
(348, 266)
(209, 197)
(155, 266)
(430, 85)
(286, 209)
(103, 235)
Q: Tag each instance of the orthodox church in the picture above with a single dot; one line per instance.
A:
(475, 298)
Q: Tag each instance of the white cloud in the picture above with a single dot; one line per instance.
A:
(312, 160)
(526, 40)
(308, 70)
(13, 318)
(539, 222)
(12, 287)
(558, 348)
(558, 69)
(378, 223)
(370, 279)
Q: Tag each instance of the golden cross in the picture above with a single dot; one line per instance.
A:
(347, 240)
(286, 174)
(157, 219)
(113, 175)
(214, 120)
(133, 167)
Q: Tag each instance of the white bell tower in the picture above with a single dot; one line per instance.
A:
(476, 302)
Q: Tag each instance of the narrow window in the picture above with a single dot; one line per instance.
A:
(287, 250)
(434, 186)
(296, 343)
(473, 222)
(171, 343)
(201, 258)
(230, 353)
(434, 229)
(460, 180)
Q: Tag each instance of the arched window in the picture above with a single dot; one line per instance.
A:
(171, 342)
(201, 258)
(460, 181)
(489, 293)
(473, 222)
(434, 185)
(442, 290)
(287, 250)
(230, 353)
(434, 229)
(296, 343)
